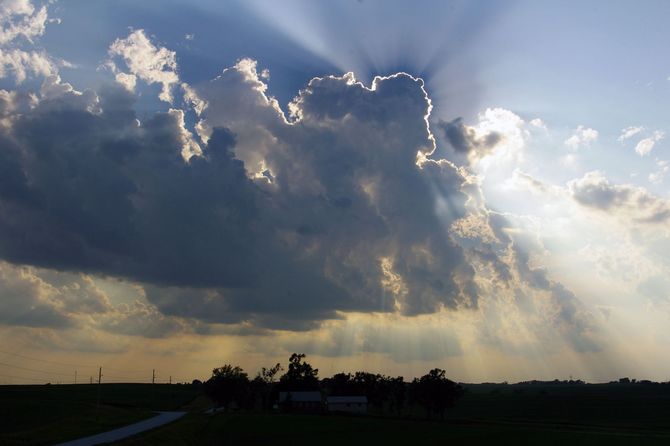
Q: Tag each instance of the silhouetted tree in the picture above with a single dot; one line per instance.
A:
(263, 385)
(397, 392)
(268, 375)
(340, 384)
(372, 386)
(228, 384)
(300, 374)
(434, 392)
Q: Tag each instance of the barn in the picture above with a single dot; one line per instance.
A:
(300, 401)
(352, 403)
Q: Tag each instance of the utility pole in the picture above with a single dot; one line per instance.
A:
(75, 377)
(97, 406)
(153, 388)
(170, 379)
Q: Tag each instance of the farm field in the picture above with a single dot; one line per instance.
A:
(607, 414)
(261, 429)
(612, 414)
(47, 414)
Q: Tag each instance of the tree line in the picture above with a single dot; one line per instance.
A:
(230, 386)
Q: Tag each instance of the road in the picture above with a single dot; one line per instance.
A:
(126, 431)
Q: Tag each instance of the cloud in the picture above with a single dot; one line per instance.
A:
(48, 299)
(631, 202)
(20, 19)
(582, 137)
(145, 61)
(538, 123)
(497, 130)
(27, 300)
(141, 319)
(662, 168)
(526, 181)
(646, 145)
(464, 139)
(20, 25)
(22, 64)
(262, 219)
(629, 132)
(560, 308)
(656, 288)
(424, 339)
(90, 189)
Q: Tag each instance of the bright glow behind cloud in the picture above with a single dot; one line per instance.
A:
(363, 223)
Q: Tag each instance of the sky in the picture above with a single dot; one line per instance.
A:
(388, 186)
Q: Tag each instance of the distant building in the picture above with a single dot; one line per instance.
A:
(300, 401)
(353, 403)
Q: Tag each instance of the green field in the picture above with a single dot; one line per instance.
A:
(607, 414)
(276, 429)
(487, 414)
(46, 414)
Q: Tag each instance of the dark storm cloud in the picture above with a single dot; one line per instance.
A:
(348, 222)
(464, 139)
(99, 193)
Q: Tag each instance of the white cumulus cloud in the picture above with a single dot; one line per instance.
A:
(582, 137)
(646, 145)
(20, 25)
(629, 132)
(146, 61)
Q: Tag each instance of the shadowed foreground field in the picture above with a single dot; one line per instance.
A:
(263, 429)
(607, 414)
(47, 414)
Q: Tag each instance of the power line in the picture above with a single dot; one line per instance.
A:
(65, 364)
(47, 361)
(34, 370)
(126, 371)
(23, 378)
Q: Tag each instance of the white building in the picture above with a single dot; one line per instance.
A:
(354, 404)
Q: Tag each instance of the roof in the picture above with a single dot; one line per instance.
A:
(301, 396)
(356, 399)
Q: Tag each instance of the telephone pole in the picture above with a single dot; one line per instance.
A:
(153, 388)
(97, 406)
(170, 379)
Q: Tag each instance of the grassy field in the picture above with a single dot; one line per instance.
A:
(279, 430)
(488, 414)
(502, 414)
(33, 415)
(622, 405)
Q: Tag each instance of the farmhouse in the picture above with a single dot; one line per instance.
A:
(353, 403)
(300, 401)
